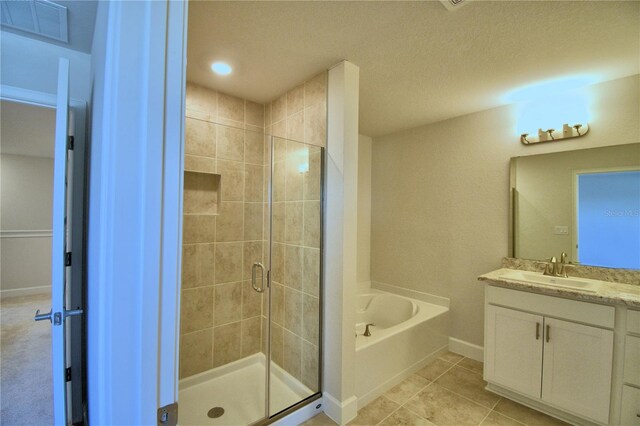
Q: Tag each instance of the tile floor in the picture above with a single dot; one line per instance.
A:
(447, 392)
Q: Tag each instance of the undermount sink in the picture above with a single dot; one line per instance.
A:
(539, 278)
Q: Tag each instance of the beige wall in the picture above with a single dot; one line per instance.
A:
(364, 208)
(440, 196)
(545, 187)
(25, 198)
(223, 230)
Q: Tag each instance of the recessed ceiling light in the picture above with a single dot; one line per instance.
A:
(221, 68)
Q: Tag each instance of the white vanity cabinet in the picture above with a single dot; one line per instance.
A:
(554, 351)
(630, 406)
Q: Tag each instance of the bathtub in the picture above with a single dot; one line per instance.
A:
(408, 334)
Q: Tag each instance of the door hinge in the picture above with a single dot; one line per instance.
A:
(67, 259)
(68, 374)
(70, 141)
(168, 415)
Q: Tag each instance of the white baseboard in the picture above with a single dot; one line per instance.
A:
(466, 349)
(340, 412)
(19, 292)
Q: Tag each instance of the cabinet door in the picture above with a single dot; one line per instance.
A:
(577, 368)
(630, 406)
(513, 351)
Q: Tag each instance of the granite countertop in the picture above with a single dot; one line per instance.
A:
(607, 292)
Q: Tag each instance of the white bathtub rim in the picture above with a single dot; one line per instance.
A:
(410, 294)
(426, 311)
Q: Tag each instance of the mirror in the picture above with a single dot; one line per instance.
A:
(585, 203)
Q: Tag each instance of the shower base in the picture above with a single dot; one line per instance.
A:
(238, 388)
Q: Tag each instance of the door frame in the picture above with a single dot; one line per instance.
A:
(76, 298)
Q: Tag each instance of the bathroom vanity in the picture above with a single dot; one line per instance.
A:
(569, 347)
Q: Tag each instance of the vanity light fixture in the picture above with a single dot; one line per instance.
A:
(551, 135)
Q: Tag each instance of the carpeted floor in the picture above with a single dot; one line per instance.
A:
(25, 362)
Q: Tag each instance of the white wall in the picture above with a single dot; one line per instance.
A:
(440, 199)
(33, 64)
(25, 205)
(364, 209)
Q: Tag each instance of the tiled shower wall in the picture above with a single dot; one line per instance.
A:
(220, 312)
(299, 115)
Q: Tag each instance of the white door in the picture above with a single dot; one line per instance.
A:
(61, 226)
(577, 368)
(513, 352)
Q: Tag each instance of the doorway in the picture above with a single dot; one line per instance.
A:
(251, 285)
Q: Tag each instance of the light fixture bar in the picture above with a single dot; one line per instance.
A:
(552, 135)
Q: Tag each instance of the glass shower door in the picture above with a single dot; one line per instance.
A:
(295, 307)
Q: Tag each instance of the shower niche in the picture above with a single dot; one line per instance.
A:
(202, 193)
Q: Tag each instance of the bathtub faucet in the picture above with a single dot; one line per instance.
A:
(367, 333)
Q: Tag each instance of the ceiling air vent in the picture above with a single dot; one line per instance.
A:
(454, 4)
(40, 17)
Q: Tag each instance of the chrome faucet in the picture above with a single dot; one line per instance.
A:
(367, 332)
(555, 269)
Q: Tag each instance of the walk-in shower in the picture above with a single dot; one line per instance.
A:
(250, 338)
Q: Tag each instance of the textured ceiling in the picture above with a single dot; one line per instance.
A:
(419, 63)
(26, 129)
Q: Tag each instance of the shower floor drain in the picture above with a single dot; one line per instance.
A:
(215, 412)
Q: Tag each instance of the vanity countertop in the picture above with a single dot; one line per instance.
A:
(607, 292)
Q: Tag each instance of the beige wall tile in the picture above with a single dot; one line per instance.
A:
(295, 100)
(199, 164)
(293, 310)
(279, 181)
(251, 301)
(252, 254)
(263, 343)
(295, 127)
(312, 223)
(293, 223)
(200, 193)
(315, 124)
(199, 229)
(202, 100)
(277, 344)
(229, 222)
(200, 138)
(267, 115)
(311, 271)
(310, 365)
(277, 303)
(254, 143)
(254, 114)
(315, 90)
(292, 358)
(230, 143)
(297, 158)
(196, 309)
(279, 129)
(228, 262)
(251, 333)
(196, 352)
(279, 109)
(254, 182)
(189, 264)
(293, 267)
(277, 262)
(231, 180)
(230, 107)
(205, 264)
(226, 343)
(277, 221)
(228, 303)
(313, 178)
(253, 221)
(279, 150)
(310, 318)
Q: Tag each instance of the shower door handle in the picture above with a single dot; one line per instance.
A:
(254, 269)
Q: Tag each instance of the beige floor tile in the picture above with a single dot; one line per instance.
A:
(404, 417)
(319, 420)
(495, 419)
(472, 364)
(451, 357)
(403, 391)
(374, 412)
(444, 408)
(525, 415)
(434, 369)
(468, 384)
